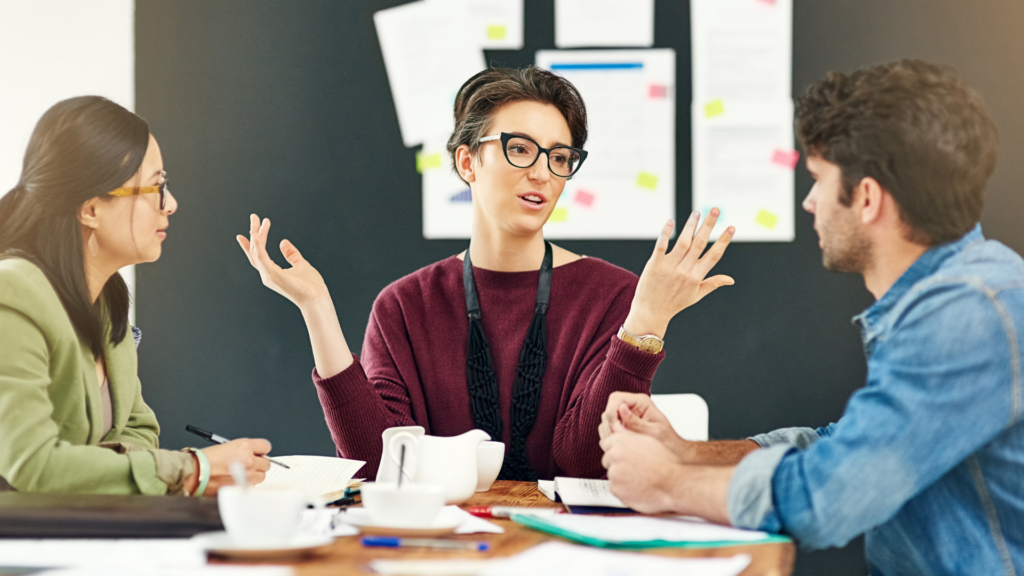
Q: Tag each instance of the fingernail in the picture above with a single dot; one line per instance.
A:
(696, 213)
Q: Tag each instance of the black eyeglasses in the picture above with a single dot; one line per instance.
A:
(160, 188)
(523, 151)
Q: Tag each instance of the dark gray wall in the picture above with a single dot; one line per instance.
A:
(283, 108)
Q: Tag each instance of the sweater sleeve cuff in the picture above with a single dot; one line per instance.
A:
(802, 438)
(750, 502)
(631, 359)
(345, 386)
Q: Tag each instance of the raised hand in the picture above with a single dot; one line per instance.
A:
(677, 279)
(301, 283)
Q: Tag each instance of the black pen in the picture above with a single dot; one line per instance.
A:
(217, 439)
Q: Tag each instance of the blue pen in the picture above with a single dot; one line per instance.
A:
(395, 542)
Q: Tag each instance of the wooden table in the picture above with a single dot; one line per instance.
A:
(348, 556)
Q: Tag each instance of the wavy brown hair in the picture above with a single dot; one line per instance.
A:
(918, 130)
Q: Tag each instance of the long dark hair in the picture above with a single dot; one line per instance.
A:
(81, 148)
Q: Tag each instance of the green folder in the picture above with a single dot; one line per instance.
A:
(542, 524)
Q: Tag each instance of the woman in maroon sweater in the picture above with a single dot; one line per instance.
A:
(484, 339)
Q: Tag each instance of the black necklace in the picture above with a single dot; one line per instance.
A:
(483, 383)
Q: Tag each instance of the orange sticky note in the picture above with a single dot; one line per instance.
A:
(766, 219)
(714, 108)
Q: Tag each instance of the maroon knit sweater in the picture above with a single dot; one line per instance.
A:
(413, 365)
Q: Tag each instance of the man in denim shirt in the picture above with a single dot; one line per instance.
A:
(928, 458)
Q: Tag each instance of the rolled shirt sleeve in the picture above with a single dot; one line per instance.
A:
(934, 397)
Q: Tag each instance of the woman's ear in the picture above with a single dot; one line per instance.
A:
(464, 163)
(88, 214)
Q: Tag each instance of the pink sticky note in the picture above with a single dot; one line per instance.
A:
(658, 91)
(787, 158)
(584, 198)
(768, 2)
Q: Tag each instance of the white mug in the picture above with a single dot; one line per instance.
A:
(489, 458)
(408, 506)
(262, 516)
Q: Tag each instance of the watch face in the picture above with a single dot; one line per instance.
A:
(651, 345)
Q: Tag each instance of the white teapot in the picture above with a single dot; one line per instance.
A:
(447, 462)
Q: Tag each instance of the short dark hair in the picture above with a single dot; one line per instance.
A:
(82, 148)
(917, 129)
(491, 89)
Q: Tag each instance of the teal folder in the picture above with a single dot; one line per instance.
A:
(544, 525)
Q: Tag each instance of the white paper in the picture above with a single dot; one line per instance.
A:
(318, 475)
(742, 116)
(612, 23)
(428, 56)
(325, 522)
(137, 553)
(496, 24)
(470, 524)
(561, 559)
(211, 570)
(547, 488)
(625, 529)
(586, 492)
(735, 168)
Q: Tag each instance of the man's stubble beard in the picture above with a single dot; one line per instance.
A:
(844, 248)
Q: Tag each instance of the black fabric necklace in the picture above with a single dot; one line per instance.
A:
(483, 383)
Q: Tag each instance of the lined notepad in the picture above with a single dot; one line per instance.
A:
(318, 475)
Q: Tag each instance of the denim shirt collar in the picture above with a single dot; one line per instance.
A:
(927, 264)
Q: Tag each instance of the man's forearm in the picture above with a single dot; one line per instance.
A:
(703, 491)
(717, 452)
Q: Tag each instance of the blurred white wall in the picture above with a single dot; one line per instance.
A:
(55, 49)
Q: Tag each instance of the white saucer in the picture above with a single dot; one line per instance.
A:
(221, 544)
(447, 520)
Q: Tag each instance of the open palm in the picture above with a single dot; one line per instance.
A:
(301, 283)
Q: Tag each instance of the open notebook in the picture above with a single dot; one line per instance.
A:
(583, 495)
(319, 475)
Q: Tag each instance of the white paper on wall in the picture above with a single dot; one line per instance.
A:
(611, 23)
(742, 113)
(496, 24)
(51, 50)
(428, 56)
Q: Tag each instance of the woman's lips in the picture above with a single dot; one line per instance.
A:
(161, 234)
(533, 203)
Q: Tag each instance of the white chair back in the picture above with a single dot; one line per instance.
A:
(688, 414)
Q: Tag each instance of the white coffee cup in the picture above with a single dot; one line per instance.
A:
(261, 517)
(489, 457)
(409, 506)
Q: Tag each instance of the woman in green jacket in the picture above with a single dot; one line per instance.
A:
(92, 198)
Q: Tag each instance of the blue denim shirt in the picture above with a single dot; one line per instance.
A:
(928, 458)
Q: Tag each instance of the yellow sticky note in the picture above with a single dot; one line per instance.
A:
(496, 32)
(559, 215)
(766, 219)
(427, 161)
(645, 180)
(714, 108)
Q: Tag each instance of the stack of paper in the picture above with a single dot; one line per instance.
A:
(743, 156)
(643, 531)
(584, 495)
(317, 475)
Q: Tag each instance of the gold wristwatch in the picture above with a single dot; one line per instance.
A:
(649, 343)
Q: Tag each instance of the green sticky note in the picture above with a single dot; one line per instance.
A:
(496, 32)
(559, 215)
(766, 219)
(714, 108)
(427, 161)
(645, 180)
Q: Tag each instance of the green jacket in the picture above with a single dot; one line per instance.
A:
(51, 414)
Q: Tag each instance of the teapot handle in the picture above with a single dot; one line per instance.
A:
(411, 442)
